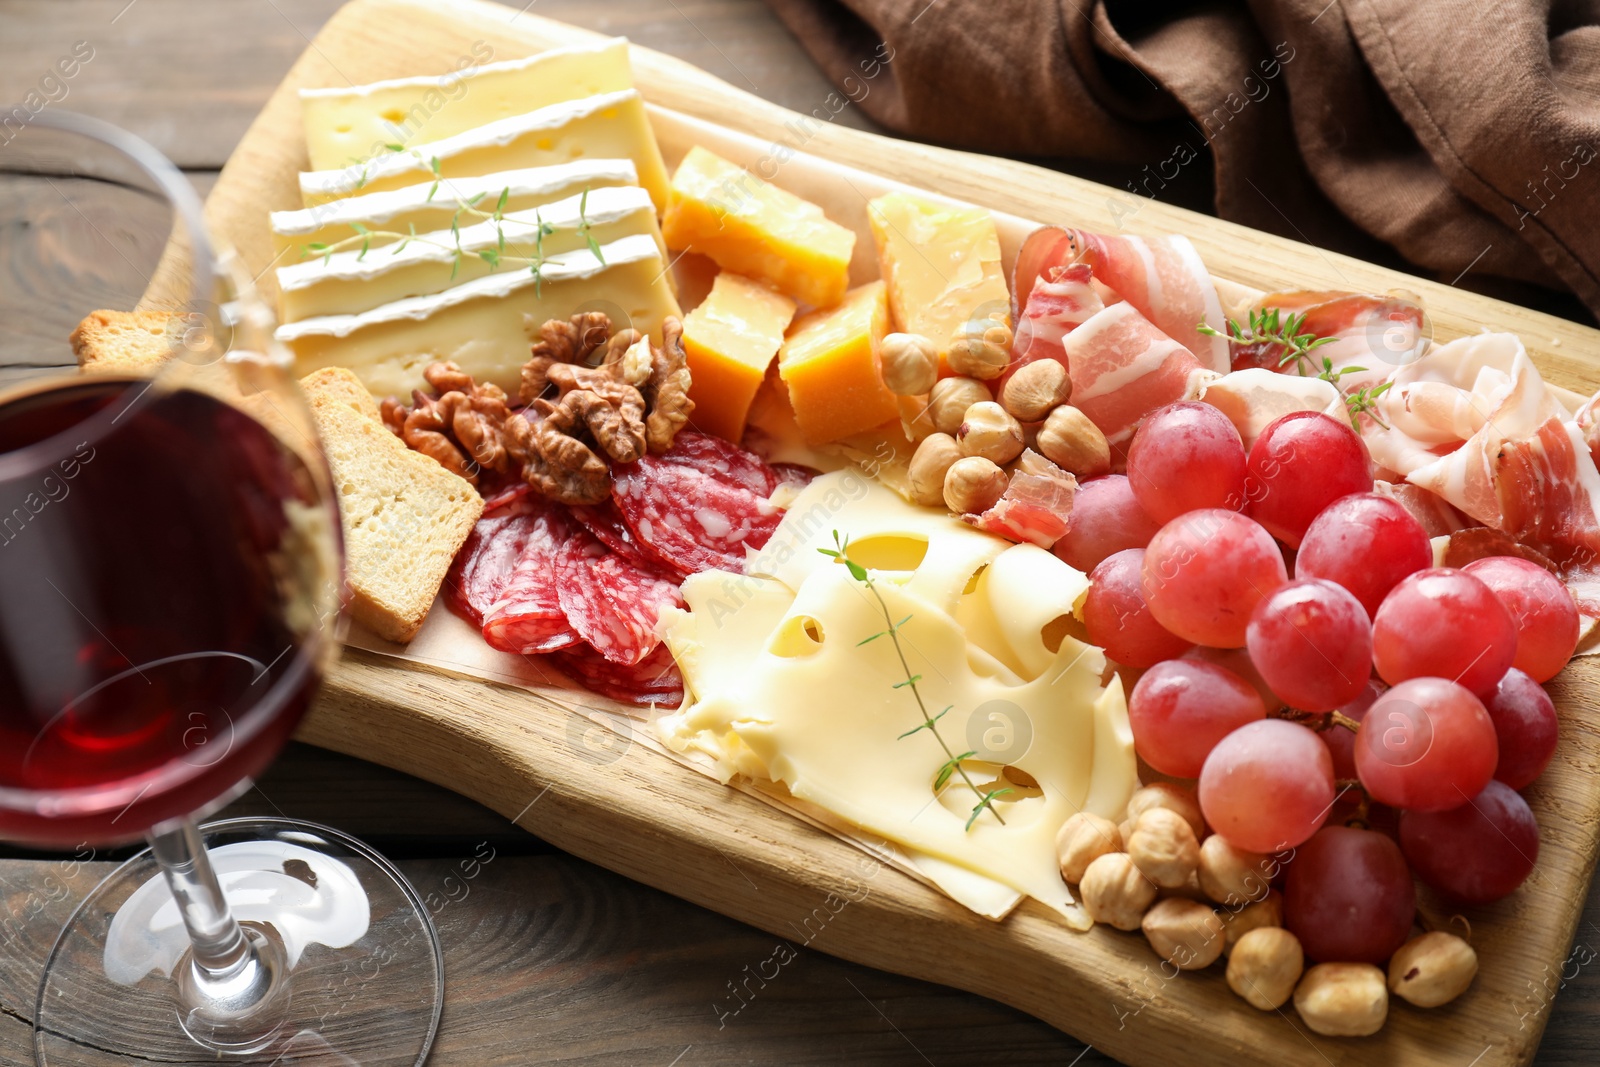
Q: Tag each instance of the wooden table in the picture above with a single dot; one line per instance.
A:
(548, 958)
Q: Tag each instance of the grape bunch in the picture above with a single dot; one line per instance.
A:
(1337, 698)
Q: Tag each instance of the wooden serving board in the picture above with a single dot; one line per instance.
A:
(637, 813)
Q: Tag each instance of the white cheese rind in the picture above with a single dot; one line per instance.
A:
(423, 207)
(481, 324)
(608, 125)
(355, 281)
(344, 125)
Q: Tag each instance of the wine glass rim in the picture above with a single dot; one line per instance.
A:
(80, 801)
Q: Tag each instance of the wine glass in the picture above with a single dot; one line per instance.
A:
(169, 586)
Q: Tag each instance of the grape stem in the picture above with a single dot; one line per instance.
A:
(1338, 718)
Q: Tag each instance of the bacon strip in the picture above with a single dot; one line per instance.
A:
(1163, 277)
(1123, 368)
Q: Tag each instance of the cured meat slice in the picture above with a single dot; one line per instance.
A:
(1062, 299)
(483, 566)
(793, 475)
(654, 680)
(528, 617)
(1473, 422)
(611, 601)
(1035, 506)
(1163, 277)
(722, 460)
(1379, 332)
(605, 522)
(1122, 368)
(691, 519)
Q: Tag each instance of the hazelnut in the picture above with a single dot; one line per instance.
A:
(950, 398)
(910, 364)
(1343, 999)
(916, 417)
(1035, 389)
(1189, 890)
(929, 465)
(984, 354)
(1082, 839)
(1115, 892)
(988, 431)
(1432, 969)
(1264, 967)
(1073, 443)
(972, 485)
(1185, 933)
(1231, 875)
(1268, 911)
(1163, 846)
(1167, 795)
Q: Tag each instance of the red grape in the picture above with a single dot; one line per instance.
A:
(1205, 572)
(1341, 741)
(1477, 852)
(1365, 542)
(1238, 661)
(1105, 519)
(1349, 897)
(1301, 463)
(1312, 642)
(1542, 609)
(1180, 710)
(1186, 456)
(1427, 744)
(1443, 623)
(1118, 619)
(1524, 725)
(1267, 786)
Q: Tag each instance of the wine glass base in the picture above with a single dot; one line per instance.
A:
(361, 978)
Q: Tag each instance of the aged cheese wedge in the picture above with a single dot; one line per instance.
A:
(730, 339)
(347, 283)
(942, 265)
(608, 126)
(479, 324)
(752, 227)
(352, 125)
(423, 208)
(830, 364)
(791, 694)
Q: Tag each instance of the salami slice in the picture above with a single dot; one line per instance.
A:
(653, 680)
(605, 522)
(528, 617)
(722, 460)
(483, 566)
(690, 519)
(611, 601)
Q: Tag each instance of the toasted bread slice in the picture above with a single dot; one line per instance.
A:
(405, 516)
(124, 342)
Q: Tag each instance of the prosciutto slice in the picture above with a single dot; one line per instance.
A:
(1122, 368)
(1035, 506)
(1473, 422)
(1163, 277)
(1062, 299)
(1379, 332)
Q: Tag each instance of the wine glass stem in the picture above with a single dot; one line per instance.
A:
(219, 945)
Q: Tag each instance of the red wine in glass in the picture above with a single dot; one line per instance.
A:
(151, 659)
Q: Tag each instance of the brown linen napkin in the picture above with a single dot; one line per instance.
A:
(1461, 134)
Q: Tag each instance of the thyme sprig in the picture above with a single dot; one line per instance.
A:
(1269, 326)
(953, 764)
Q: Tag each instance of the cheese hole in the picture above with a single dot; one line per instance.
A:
(972, 582)
(889, 552)
(1020, 807)
(1060, 628)
(1024, 784)
(798, 636)
(394, 115)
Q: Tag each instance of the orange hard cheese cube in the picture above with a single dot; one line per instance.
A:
(830, 364)
(942, 265)
(730, 340)
(755, 229)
